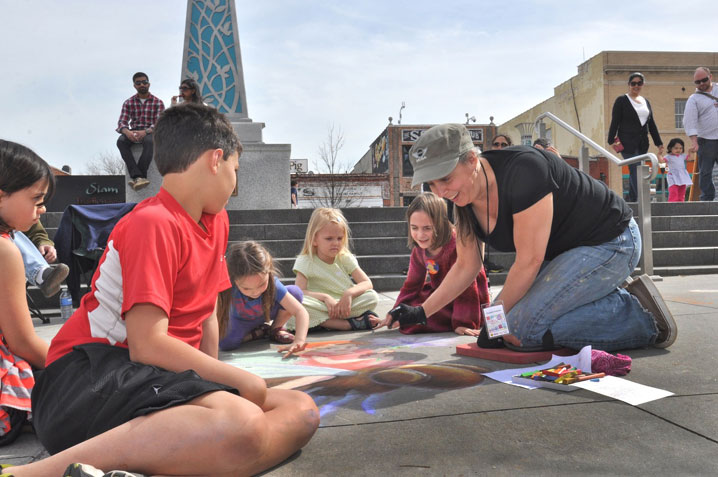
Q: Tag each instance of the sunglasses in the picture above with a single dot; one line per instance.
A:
(702, 80)
(184, 88)
(139, 82)
(636, 83)
(500, 144)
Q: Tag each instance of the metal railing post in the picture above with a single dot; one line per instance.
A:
(645, 226)
(542, 130)
(583, 163)
(646, 175)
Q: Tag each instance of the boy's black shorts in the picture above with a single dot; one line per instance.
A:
(96, 387)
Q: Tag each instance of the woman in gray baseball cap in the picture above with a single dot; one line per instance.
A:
(575, 240)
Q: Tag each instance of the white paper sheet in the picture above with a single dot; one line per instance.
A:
(609, 386)
(623, 390)
(582, 361)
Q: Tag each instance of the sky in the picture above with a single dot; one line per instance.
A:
(313, 64)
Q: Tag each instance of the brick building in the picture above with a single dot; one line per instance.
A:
(389, 156)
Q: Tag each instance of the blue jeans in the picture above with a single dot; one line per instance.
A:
(707, 157)
(31, 257)
(577, 296)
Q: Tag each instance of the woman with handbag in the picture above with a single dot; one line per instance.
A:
(631, 121)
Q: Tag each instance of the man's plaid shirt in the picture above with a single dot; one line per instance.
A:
(137, 116)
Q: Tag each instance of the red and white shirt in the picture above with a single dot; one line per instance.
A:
(156, 254)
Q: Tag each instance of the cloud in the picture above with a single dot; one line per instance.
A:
(312, 63)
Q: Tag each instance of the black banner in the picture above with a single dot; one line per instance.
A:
(83, 190)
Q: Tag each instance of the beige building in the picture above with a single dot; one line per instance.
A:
(585, 101)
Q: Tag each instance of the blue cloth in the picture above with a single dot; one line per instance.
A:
(577, 296)
(246, 313)
(31, 257)
(82, 236)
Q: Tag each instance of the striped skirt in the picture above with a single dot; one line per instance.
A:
(16, 383)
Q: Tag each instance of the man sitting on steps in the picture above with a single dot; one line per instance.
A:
(136, 125)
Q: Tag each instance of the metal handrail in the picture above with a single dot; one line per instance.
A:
(621, 162)
(644, 194)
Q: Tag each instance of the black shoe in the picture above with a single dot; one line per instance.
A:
(492, 267)
(483, 340)
(52, 278)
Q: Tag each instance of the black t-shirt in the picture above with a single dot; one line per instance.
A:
(585, 211)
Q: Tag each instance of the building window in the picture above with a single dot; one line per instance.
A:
(680, 107)
(406, 170)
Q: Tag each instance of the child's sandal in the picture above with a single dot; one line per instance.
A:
(362, 322)
(281, 336)
(262, 331)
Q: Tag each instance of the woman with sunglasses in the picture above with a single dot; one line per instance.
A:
(188, 93)
(500, 141)
(631, 121)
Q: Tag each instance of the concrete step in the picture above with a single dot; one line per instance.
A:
(681, 223)
(359, 246)
(371, 264)
(686, 270)
(381, 283)
(685, 257)
(278, 216)
(679, 208)
(685, 239)
(293, 231)
(45, 303)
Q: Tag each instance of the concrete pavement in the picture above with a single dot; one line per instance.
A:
(408, 405)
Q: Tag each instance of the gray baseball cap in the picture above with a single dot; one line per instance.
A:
(437, 151)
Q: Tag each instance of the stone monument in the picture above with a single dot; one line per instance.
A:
(212, 57)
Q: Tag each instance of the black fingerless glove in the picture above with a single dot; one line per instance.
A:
(408, 315)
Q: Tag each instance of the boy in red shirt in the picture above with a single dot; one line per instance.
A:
(133, 381)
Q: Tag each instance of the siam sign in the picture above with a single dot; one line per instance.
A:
(84, 190)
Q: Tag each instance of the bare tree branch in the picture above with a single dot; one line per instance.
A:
(336, 188)
(106, 163)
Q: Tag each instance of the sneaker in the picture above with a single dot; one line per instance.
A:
(141, 183)
(86, 470)
(492, 267)
(131, 182)
(82, 470)
(52, 278)
(650, 298)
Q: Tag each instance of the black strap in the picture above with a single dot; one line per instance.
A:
(707, 94)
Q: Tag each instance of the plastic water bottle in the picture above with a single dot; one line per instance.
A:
(65, 304)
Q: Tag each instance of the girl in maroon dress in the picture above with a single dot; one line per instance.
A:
(433, 240)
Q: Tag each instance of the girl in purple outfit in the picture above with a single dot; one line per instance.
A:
(258, 304)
